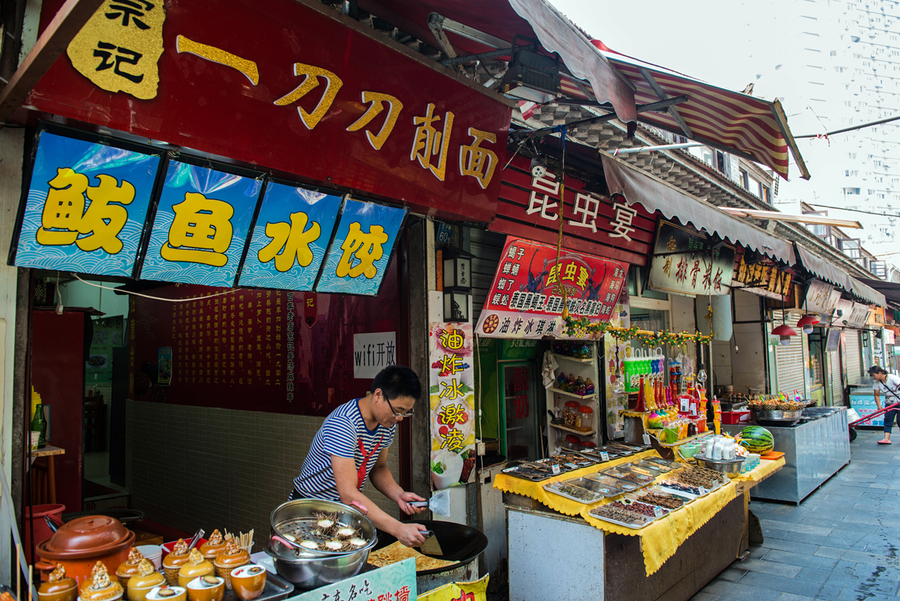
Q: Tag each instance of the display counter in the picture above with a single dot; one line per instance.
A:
(814, 450)
(555, 545)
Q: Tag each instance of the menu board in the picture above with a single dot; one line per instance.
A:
(534, 282)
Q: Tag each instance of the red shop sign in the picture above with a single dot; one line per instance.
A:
(526, 298)
(530, 207)
(285, 87)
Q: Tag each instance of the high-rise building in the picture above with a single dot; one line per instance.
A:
(837, 62)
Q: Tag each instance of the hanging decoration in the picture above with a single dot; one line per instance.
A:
(585, 328)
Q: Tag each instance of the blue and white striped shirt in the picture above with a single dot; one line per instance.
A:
(340, 435)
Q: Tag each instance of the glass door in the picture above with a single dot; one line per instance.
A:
(522, 439)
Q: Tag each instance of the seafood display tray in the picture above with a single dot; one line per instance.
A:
(643, 523)
(558, 488)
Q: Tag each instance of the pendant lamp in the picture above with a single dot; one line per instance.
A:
(807, 322)
(784, 333)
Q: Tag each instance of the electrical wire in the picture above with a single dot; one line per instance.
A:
(846, 129)
(157, 298)
(854, 210)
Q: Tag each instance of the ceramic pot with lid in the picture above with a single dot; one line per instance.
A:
(79, 544)
(60, 587)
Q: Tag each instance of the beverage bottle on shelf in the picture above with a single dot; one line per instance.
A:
(39, 424)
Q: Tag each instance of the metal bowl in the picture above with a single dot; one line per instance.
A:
(729, 467)
(308, 569)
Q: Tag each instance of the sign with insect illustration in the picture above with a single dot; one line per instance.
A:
(535, 281)
(452, 401)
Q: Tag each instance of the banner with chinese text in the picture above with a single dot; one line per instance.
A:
(290, 238)
(821, 297)
(762, 278)
(385, 123)
(200, 227)
(393, 582)
(686, 262)
(526, 297)
(452, 401)
(86, 207)
(361, 248)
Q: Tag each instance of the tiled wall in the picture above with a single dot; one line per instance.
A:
(194, 467)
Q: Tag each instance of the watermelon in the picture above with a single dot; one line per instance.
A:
(756, 439)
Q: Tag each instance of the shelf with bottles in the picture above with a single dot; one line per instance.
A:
(581, 352)
(583, 397)
(574, 359)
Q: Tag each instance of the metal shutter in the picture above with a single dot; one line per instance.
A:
(789, 359)
(487, 248)
(854, 357)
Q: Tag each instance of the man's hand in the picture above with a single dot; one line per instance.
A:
(403, 502)
(410, 534)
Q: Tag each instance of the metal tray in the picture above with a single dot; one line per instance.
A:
(557, 489)
(776, 416)
(646, 520)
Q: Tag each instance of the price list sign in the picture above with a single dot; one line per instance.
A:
(534, 283)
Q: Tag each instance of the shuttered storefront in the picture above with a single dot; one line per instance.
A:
(854, 357)
(486, 248)
(789, 359)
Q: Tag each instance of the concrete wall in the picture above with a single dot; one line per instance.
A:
(195, 467)
(749, 352)
(11, 149)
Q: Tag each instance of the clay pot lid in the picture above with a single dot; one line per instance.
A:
(235, 560)
(89, 534)
(59, 586)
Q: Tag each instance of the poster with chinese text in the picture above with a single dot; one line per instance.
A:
(687, 262)
(86, 207)
(361, 250)
(452, 396)
(289, 238)
(201, 226)
(526, 298)
(394, 582)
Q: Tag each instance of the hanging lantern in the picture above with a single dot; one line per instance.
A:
(784, 333)
(807, 322)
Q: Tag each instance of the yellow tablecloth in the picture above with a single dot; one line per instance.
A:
(660, 539)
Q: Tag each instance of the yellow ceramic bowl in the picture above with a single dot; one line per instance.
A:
(139, 586)
(189, 572)
(248, 581)
(167, 593)
(206, 588)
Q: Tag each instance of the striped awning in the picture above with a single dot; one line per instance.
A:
(752, 127)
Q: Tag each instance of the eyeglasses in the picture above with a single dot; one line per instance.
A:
(394, 411)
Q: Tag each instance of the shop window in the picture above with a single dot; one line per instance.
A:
(637, 284)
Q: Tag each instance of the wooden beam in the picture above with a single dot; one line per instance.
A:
(672, 109)
(779, 216)
(67, 22)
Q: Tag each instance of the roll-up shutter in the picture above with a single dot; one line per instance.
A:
(789, 359)
(486, 248)
(854, 357)
(836, 393)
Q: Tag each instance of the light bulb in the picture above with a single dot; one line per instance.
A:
(808, 329)
(785, 340)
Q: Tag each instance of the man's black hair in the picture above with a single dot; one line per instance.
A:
(876, 369)
(396, 381)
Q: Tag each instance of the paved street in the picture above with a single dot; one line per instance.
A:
(840, 544)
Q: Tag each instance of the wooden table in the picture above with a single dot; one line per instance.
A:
(49, 452)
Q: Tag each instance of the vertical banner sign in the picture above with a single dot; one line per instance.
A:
(684, 262)
(394, 582)
(452, 395)
(372, 353)
(86, 207)
(290, 237)
(361, 249)
(201, 224)
(526, 297)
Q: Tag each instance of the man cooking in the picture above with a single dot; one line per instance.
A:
(352, 446)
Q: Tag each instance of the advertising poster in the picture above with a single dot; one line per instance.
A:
(532, 285)
(290, 237)
(201, 226)
(86, 207)
(452, 396)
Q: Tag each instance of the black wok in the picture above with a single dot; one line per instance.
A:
(460, 543)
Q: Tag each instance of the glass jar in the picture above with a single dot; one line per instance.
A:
(570, 414)
(585, 419)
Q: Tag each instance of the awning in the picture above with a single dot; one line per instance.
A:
(824, 270)
(829, 272)
(655, 195)
(867, 293)
(891, 290)
(744, 125)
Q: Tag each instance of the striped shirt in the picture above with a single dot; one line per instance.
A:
(340, 435)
